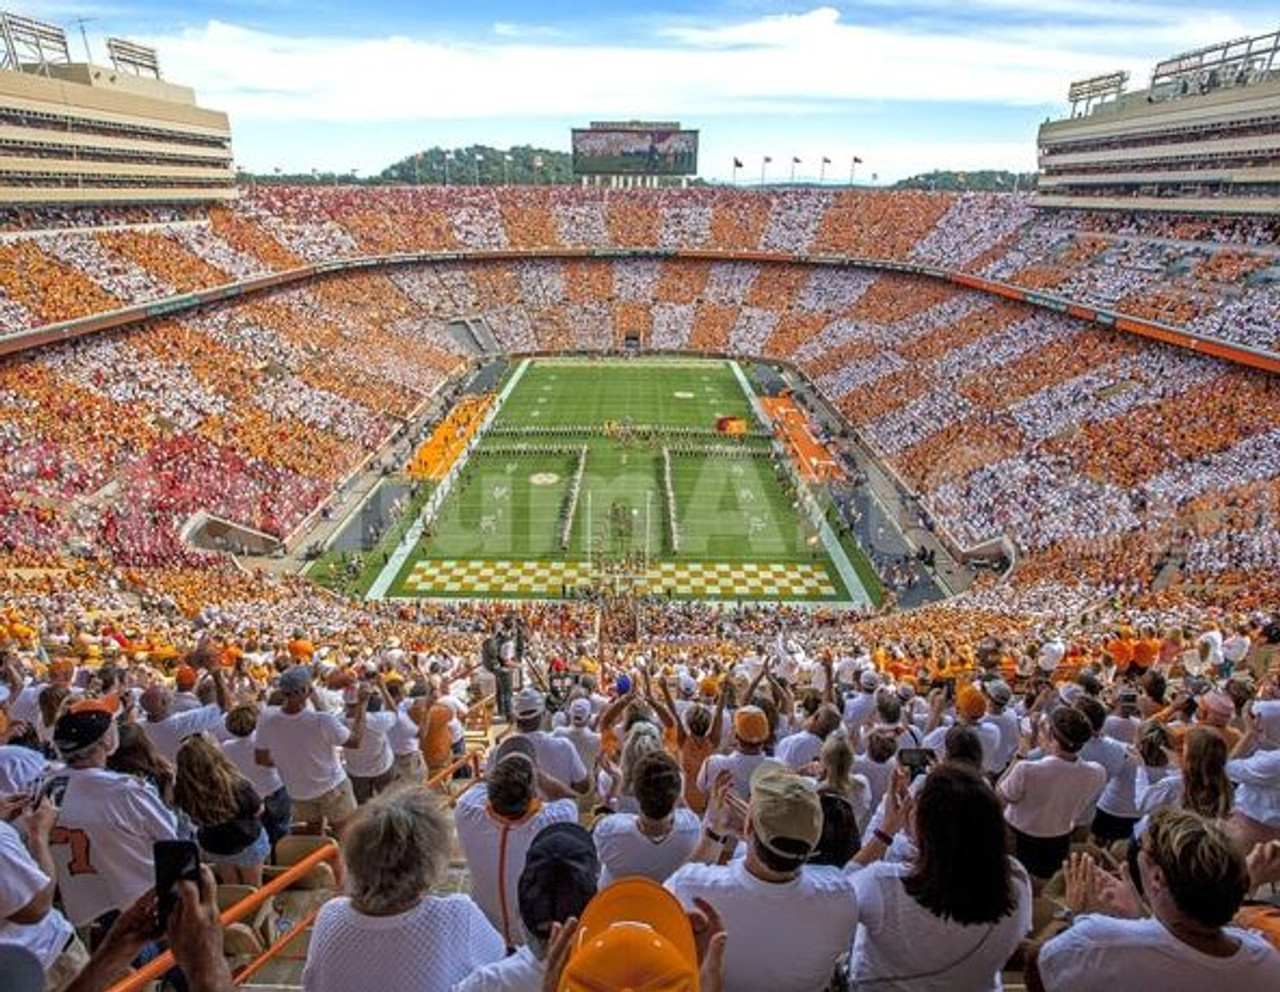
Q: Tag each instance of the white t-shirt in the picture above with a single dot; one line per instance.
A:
(21, 880)
(556, 756)
(782, 937)
(1121, 728)
(1049, 796)
(1102, 954)
(1268, 713)
(988, 733)
(403, 737)
(240, 751)
(20, 769)
(858, 709)
(877, 774)
(624, 850)
(1156, 786)
(900, 939)
(1235, 648)
(584, 740)
(168, 734)
(495, 850)
(302, 746)
(373, 757)
(428, 948)
(519, 972)
(102, 839)
(1118, 763)
(1257, 781)
(1009, 727)
(799, 750)
(736, 763)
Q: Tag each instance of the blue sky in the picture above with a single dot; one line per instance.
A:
(907, 85)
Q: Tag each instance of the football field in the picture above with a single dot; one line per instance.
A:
(591, 466)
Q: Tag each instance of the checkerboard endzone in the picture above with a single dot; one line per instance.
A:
(710, 580)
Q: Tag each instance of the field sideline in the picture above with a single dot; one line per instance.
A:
(628, 426)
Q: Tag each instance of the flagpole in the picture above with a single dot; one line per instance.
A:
(763, 164)
(853, 168)
(822, 171)
(735, 172)
(793, 170)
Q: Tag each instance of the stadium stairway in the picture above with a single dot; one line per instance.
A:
(479, 328)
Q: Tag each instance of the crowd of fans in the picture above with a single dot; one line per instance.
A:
(750, 763)
(838, 803)
(1215, 278)
(1007, 420)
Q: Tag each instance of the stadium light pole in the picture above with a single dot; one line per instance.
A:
(506, 170)
(478, 159)
(448, 157)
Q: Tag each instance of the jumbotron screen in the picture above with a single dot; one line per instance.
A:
(634, 151)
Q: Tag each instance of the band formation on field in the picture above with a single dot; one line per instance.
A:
(653, 477)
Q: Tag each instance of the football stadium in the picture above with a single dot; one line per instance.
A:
(478, 576)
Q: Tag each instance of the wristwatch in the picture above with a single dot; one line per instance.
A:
(720, 839)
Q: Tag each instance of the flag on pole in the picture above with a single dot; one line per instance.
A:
(768, 158)
(737, 162)
(479, 157)
(825, 160)
(795, 159)
(856, 160)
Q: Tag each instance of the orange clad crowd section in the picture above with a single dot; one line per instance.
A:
(815, 462)
(450, 438)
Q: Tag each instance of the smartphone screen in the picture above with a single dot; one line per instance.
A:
(176, 860)
(916, 759)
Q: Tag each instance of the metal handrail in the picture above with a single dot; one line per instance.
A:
(437, 781)
(234, 914)
(273, 951)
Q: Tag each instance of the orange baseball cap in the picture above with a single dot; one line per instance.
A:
(186, 677)
(634, 935)
(750, 725)
(109, 705)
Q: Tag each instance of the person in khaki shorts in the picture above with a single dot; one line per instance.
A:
(298, 739)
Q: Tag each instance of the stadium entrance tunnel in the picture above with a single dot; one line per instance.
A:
(206, 532)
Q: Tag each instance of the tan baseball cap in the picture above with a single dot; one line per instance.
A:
(784, 806)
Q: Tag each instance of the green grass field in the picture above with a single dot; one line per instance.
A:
(736, 519)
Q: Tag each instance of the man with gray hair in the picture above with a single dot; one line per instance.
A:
(106, 823)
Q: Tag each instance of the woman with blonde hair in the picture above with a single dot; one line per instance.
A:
(225, 808)
(1199, 784)
(839, 778)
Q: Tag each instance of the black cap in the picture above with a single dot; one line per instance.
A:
(76, 731)
(559, 877)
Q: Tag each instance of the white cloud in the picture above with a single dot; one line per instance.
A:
(814, 57)
(798, 63)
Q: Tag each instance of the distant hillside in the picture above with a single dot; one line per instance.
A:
(522, 165)
(986, 181)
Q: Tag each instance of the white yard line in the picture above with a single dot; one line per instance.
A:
(858, 595)
(401, 554)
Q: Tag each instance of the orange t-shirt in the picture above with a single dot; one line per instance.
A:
(1146, 651)
(1121, 651)
(433, 733)
(696, 750)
